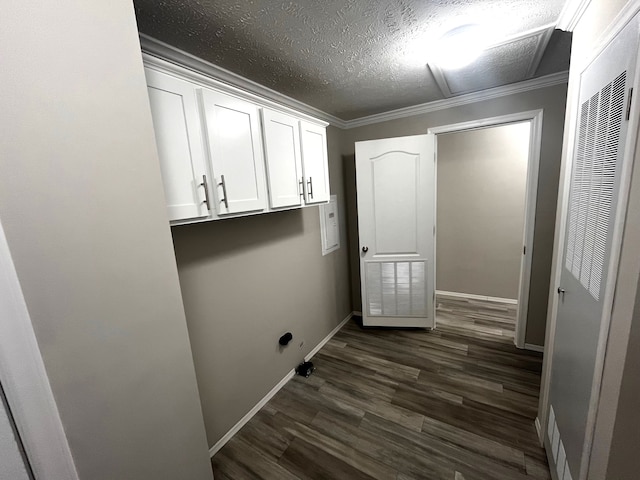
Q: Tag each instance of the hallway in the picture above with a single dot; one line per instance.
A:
(456, 403)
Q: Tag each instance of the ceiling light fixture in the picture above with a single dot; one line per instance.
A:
(460, 46)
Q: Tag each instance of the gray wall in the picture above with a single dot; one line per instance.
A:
(82, 206)
(552, 100)
(481, 187)
(624, 462)
(247, 281)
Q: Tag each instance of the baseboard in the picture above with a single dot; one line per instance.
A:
(236, 428)
(243, 421)
(510, 301)
(323, 342)
(534, 348)
(539, 430)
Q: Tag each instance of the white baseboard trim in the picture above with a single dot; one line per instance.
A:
(243, 421)
(510, 301)
(534, 348)
(227, 436)
(323, 342)
(539, 430)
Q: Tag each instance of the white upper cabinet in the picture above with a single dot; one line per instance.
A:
(225, 152)
(176, 122)
(232, 128)
(315, 164)
(282, 155)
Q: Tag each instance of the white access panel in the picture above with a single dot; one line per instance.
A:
(235, 151)
(584, 290)
(330, 226)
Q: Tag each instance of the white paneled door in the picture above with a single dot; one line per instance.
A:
(396, 214)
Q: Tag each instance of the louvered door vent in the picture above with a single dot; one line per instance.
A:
(593, 183)
(397, 289)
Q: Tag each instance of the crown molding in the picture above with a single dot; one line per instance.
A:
(195, 69)
(571, 13)
(543, 41)
(514, 88)
(240, 85)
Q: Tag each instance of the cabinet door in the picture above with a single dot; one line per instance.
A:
(315, 162)
(284, 164)
(235, 151)
(174, 109)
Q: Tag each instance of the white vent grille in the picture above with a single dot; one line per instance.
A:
(397, 289)
(593, 183)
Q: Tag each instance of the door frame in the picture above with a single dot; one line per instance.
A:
(25, 382)
(573, 105)
(535, 118)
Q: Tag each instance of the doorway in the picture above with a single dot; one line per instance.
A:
(486, 184)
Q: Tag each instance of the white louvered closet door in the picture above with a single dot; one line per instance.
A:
(598, 154)
(396, 200)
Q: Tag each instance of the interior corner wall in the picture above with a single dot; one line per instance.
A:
(82, 206)
(247, 281)
(481, 193)
(624, 461)
(552, 100)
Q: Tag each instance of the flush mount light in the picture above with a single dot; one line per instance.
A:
(460, 46)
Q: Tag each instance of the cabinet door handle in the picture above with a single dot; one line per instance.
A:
(206, 192)
(301, 187)
(310, 185)
(224, 192)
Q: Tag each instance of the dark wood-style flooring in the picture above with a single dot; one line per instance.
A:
(456, 403)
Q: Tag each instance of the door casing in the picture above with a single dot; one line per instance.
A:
(535, 118)
(25, 382)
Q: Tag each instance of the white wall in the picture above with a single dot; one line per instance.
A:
(82, 206)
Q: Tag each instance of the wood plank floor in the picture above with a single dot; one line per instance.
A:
(456, 403)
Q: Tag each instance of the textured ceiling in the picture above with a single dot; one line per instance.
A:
(352, 58)
(496, 66)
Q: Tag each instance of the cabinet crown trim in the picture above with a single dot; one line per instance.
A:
(168, 59)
